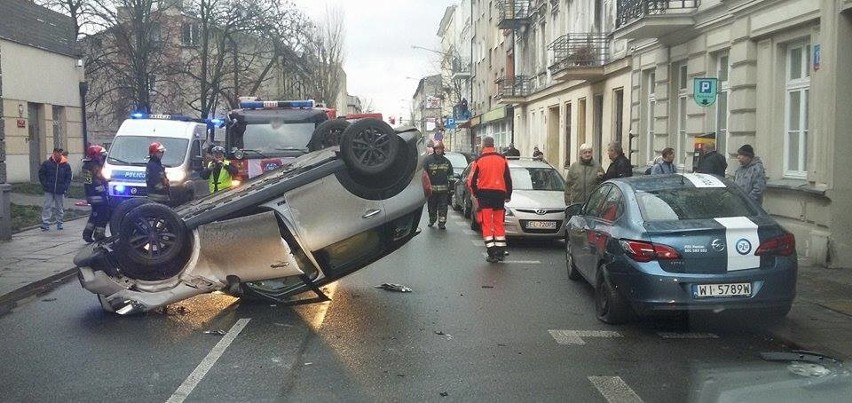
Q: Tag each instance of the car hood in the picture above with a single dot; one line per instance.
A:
(535, 199)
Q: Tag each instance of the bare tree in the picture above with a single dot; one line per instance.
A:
(325, 55)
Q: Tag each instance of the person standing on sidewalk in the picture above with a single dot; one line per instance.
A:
(491, 183)
(439, 169)
(750, 176)
(666, 163)
(620, 166)
(711, 162)
(155, 174)
(95, 186)
(219, 172)
(55, 178)
(583, 176)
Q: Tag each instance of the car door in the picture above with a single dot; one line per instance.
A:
(579, 231)
(601, 223)
(326, 213)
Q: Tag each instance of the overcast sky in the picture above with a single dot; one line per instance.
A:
(379, 57)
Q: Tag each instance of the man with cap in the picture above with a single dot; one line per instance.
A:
(219, 171)
(491, 183)
(439, 169)
(750, 175)
(155, 174)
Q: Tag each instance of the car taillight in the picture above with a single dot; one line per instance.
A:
(783, 245)
(646, 251)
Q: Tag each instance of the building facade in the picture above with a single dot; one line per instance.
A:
(426, 107)
(779, 67)
(455, 31)
(40, 81)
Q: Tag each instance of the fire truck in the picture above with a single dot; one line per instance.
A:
(261, 136)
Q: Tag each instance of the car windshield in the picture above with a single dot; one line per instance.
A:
(275, 138)
(133, 150)
(692, 203)
(536, 179)
(458, 160)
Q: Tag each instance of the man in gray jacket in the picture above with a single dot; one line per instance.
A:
(750, 176)
(583, 176)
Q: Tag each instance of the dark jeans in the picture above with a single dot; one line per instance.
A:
(438, 207)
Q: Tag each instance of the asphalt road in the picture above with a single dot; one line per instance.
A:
(469, 331)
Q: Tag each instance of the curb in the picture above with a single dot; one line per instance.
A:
(11, 300)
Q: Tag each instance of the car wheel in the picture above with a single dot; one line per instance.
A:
(456, 206)
(573, 274)
(119, 212)
(328, 134)
(370, 147)
(154, 243)
(610, 305)
(474, 225)
(466, 206)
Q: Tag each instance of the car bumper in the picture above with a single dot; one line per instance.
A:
(648, 288)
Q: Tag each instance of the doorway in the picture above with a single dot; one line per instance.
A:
(34, 139)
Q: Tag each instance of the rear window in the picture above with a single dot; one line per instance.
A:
(692, 203)
(536, 179)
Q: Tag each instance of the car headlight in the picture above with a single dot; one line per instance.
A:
(106, 172)
(509, 212)
(176, 176)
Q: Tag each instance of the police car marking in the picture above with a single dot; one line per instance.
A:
(704, 180)
(740, 238)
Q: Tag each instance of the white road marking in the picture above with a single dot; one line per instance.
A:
(675, 335)
(485, 254)
(614, 389)
(201, 370)
(576, 336)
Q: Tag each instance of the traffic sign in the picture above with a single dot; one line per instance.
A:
(450, 123)
(705, 91)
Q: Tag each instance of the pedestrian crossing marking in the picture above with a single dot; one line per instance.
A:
(614, 389)
(676, 335)
(576, 336)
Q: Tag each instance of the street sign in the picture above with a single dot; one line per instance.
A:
(705, 91)
(450, 123)
(439, 135)
(817, 57)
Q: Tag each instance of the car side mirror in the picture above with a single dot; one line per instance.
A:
(196, 163)
(573, 210)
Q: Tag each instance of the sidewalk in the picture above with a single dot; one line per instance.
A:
(34, 262)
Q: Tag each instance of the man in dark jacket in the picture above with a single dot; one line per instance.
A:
(711, 162)
(491, 183)
(620, 166)
(95, 186)
(155, 174)
(55, 177)
(439, 169)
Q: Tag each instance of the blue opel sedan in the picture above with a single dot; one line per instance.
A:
(679, 242)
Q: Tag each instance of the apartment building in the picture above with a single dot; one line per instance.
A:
(455, 31)
(559, 73)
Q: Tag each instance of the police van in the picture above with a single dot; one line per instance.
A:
(184, 138)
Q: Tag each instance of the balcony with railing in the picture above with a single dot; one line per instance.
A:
(642, 19)
(579, 56)
(459, 70)
(512, 90)
(513, 14)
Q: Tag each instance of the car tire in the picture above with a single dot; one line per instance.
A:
(573, 274)
(466, 207)
(370, 147)
(152, 222)
(119, 212)
(328, 134)
(474, 225)
(456, 206)
(610, 305)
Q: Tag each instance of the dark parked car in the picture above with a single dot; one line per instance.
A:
(460, 199)
(460, 162)
(294, 229)
(679, 242)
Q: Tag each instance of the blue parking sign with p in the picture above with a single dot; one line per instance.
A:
(705, 91)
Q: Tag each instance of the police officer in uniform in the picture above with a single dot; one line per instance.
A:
(155, 174)
(439, 169)
(219, 171)
(95, 186)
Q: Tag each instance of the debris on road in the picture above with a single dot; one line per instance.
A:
(488, 286)
(444, 394)
(219, 332)
(49, 299)
(447, 335)
(394, 287)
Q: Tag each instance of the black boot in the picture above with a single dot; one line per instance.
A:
(492, 258)
(99, 233)
(87, 235)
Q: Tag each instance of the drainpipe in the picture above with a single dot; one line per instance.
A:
(84, 88)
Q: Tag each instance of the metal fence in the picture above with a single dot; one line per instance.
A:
(579, 50)
(517, 86)
(629, 10)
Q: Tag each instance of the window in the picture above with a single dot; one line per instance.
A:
(796, 100)
(58, 126)
(650, 84)
(190, 34)
(682, 81)
(568, 116)
(618, 115)
(692, 203)
(596, 200)
(611, 207)
(723, 69)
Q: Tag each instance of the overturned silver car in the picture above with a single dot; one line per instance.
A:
(290, 231)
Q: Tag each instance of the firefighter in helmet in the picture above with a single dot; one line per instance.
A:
(155, 174)
(439, 169)
(95, 186)
(219, 171)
